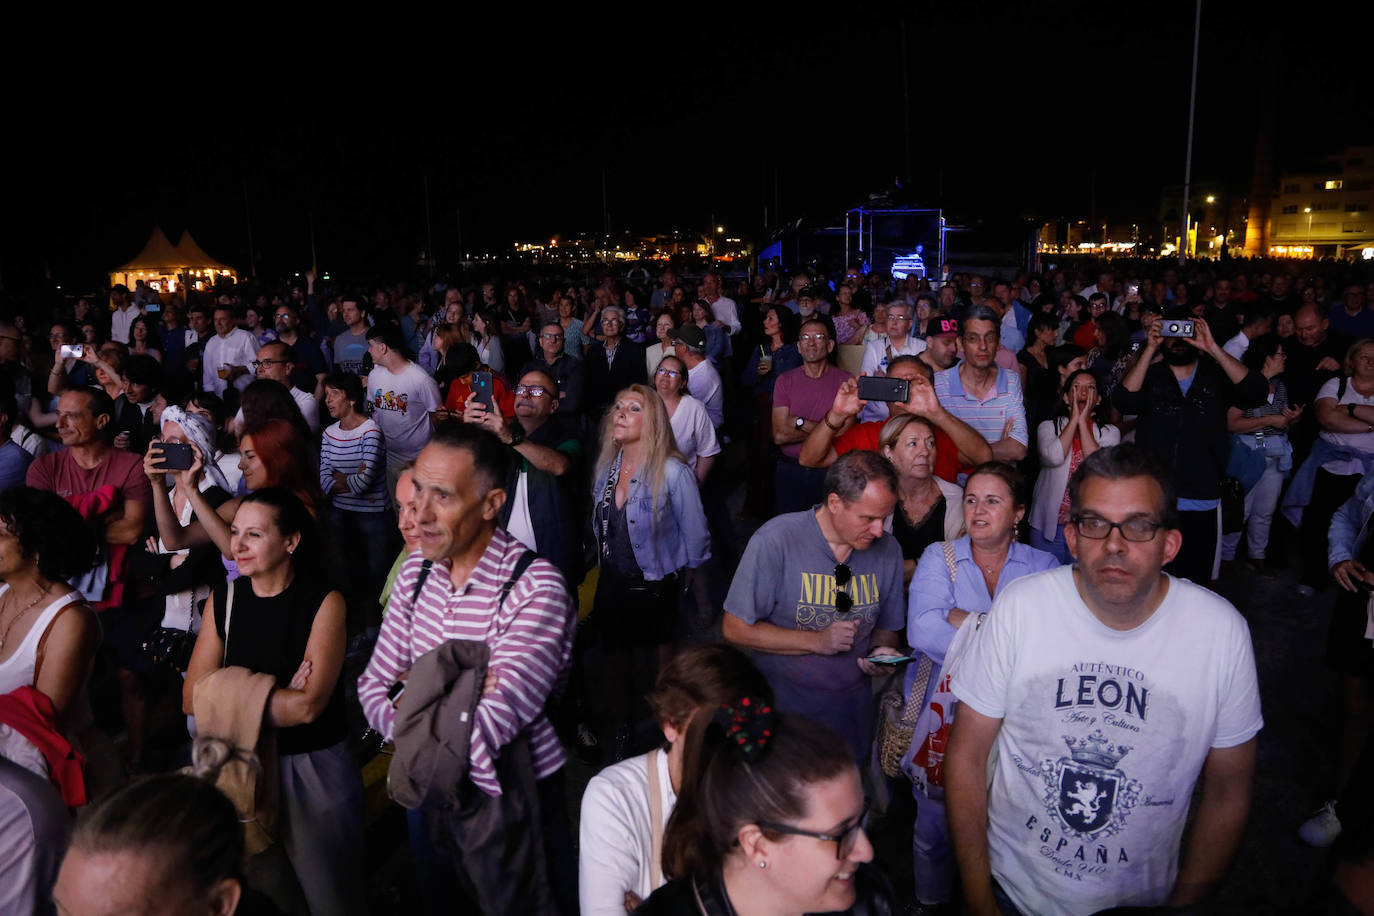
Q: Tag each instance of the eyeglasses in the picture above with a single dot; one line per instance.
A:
(844, 842)
(530, 391)
(550, 336)
(816, 337)
(281, 315)
(1132, 529)
(268, 362)
(843, 601)
(669, 373)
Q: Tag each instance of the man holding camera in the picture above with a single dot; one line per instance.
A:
(1181, 403)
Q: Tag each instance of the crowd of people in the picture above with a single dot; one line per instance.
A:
(765, 551)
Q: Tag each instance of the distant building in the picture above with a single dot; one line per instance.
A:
(1322, 210)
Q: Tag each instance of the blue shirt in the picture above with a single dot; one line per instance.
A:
(14, 464)
(932, 595)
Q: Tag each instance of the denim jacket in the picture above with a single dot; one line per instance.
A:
(1349, 526)
(678, 538)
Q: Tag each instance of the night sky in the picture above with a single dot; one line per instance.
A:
(1019, 109)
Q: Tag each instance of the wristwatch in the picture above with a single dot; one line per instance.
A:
(517, 434)
(800, 422)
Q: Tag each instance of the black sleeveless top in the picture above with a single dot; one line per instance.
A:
(269, 636)
(914, 541)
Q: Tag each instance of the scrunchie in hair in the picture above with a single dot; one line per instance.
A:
(747, 724)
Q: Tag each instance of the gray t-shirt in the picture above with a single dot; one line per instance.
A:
(349, 350)
(787, 578)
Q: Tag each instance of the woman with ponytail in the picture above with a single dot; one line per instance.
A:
(771, 819)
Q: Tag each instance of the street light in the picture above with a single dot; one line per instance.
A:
(1308, 211)
(1211, 199)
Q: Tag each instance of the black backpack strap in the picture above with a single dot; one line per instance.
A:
(522, 564)
(420, 580)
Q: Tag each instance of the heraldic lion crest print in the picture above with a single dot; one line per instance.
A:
(1086, 793)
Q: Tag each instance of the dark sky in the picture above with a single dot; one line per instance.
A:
(1018, 109)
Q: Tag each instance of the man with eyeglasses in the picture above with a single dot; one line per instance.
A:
(818, 592)
(801, 398)
(310, 367)
(882, 350)
(565, 370)
(1108, 688)
(275, 361)
(547, 451)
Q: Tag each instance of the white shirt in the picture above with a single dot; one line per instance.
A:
(1363, 442)
(615, 845)
(237, 348)
(520, 525)
(703, 381)
(693, 431)
(120, 320)
(401, 403)
(726, 312)
(1104, 733)
(1237, 345)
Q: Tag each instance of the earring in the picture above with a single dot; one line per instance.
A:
(763, 864)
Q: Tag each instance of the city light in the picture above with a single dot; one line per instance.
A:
(1211, 199)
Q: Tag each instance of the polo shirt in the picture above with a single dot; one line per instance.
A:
(989, 416)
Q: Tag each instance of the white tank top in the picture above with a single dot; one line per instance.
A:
(17, 670)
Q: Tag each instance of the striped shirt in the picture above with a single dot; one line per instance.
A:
(988, 417)
(361, 454)
(530, 641)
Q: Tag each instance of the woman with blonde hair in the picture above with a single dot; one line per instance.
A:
(929, 508)
(649, 528)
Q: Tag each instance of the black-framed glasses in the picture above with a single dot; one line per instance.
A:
(844, 602)
(844, 842)
(1136, 529)
(668, 373)
(530, 391)
(268, 362)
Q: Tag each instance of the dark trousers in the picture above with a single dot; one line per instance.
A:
(1328, 492)
(715, 495)
(507, 855)
(1199, 550)
(796, 487)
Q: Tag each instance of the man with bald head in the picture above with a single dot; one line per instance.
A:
(1315, 354)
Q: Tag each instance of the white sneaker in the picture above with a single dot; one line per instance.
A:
(1322, 828)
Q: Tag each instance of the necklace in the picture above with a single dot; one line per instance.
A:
(4, 637)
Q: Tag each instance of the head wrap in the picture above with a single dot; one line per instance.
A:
(747, 724)
(202, 434)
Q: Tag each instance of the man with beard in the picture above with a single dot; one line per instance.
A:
(1181, 403)
(1108, 688)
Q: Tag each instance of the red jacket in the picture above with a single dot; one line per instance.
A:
(30, 713)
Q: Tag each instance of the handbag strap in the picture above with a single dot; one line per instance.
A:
(950, 563)
(228, 615)
(655, 819)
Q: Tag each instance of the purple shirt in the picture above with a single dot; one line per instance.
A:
(530, 641)
(807, 397)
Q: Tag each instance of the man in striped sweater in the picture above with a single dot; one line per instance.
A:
(513, 788)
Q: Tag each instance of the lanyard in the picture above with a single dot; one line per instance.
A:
(612, 478)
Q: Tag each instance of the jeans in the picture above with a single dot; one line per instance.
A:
(1058, 546)
(797, 488)
(932, 854)
(1260, 504)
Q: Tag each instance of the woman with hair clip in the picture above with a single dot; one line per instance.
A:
(771, 819)
(626, 806)
(279, 618)
(649, 528)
